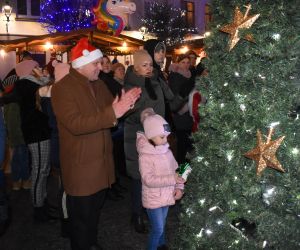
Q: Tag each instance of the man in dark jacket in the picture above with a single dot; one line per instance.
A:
(85, 112)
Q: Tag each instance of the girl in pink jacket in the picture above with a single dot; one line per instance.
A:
(161, 185)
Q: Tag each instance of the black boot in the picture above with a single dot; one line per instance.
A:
(139, 224)
(96, 247)
(64, 228)
(119, 188)
(40, 215)
(163, 247)
(113, 195)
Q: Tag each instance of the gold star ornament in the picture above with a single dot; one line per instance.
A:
(264, 153)
(240, 21)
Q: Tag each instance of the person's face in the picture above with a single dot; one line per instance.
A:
(45, 72)
(184, 64)
(91, 70)
(119, 73)
(192, 60)
(106, 65)
(145, 69)
(202, 54)
(159, 140)
(159, 56)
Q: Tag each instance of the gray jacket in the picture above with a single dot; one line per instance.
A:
(132, 120)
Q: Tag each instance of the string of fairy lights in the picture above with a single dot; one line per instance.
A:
(66, 15)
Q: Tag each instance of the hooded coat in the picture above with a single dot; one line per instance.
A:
(132, 120)
(157, 167)
(174, 100)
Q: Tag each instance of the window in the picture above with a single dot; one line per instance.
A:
(21, 7)
(190, 13)
(28, 8)
(35, 7)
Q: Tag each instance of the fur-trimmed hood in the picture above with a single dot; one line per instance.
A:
(174, 67)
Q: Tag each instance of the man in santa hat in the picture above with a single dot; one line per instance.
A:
(85, 112)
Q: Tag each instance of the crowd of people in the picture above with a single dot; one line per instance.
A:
(92, 122)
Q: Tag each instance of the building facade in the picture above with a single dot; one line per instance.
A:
(196, 12)
(23, 22)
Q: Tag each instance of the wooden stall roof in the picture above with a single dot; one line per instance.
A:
(66, 40)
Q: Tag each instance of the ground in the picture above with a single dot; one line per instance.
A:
(115, 230)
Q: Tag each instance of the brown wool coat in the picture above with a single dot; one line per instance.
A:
(84, 123)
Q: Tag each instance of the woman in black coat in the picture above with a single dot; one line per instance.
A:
(36, 132)
(182, 83)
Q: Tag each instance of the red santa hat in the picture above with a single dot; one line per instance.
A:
(84, 53)
(194, 102)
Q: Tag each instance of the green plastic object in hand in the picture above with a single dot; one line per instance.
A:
(184, 170)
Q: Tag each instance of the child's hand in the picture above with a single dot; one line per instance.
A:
(179, 179)
(178, 193)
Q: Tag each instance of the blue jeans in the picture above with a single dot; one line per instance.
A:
(20, 163)
(157, 218)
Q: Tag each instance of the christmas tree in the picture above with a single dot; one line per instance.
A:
(66, 15)
(244, 190)
(166, 22)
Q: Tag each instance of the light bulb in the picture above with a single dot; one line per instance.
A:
(200, 234)
(208, 232)
(264, 244)
(295, 151)
(212, 209)
(243, 107)
(200, 158)
(219, 222)
(276, 37)
(202, 201)
(229, 155)
(274, 124)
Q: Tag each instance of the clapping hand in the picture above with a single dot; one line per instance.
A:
(126, 101)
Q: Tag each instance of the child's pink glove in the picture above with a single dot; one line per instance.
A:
(179, 179)
(178, 193)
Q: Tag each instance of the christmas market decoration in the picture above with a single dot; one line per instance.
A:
(166, 22)
(111, 15)
(225, 204)
(264, 153)
(239, 22)
(67, 15)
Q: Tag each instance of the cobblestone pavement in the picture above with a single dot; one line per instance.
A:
(115, 230)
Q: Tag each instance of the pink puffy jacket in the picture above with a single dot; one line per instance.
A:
(157, 167)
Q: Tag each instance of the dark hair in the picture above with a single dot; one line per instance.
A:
(24, 54)
(182, 57)
(105, 56)
(191, 52)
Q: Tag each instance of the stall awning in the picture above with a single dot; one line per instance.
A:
(63, 41)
